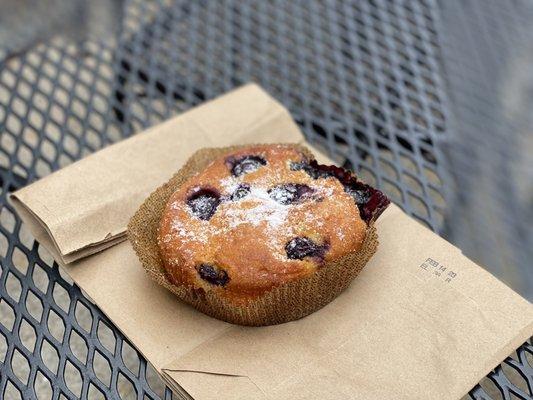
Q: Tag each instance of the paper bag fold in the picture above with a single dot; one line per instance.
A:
(421, 321)
(85, 207)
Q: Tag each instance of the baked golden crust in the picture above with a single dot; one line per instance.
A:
(231, 227)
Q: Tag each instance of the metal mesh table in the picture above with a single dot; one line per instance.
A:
(488, 52)
(363, 79)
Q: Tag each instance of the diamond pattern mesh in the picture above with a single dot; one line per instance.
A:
(489, 54)
(362, 79)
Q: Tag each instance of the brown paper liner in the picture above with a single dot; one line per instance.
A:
(284, 303)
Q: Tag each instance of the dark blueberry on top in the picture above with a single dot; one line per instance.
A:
(242, 191)
(244, 165)
(204, 203)
(360, 195)
(316, 170)
(310, 170)
(300, 247)
(214, 275)
(289, 193)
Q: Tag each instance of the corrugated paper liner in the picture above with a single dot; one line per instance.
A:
(284, 303)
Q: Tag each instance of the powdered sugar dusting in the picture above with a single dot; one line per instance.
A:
(229, 184)
(260, 208)
(186, 234)
(256, 208)
(281, 202)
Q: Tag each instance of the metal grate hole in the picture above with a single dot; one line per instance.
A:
(101, 368)
(13, 287)
(437, 198)
(392, 190)
(3, 347)
(61, 297)
(130, 358)
(65, 279)
(7, 219)
(418, 206)
(431, 176)
(94, 393)
(73, 379)
(34, 306)
(125, 388)
(106, 337)
(50, 356)
(7, 315)
(528, 355)
(45, 256)
(439, 216)
(40, 278)
(27, 335)
(490, 388)
(20, 260)
(43, 387)
(83, 316)
(413, 184)
(154, 381)
(367, 175)
(4, 245)
(27, 240)
(78, 346)
(515, 378)
(389, 170)
(11, 392)
(20, 366)
(56, 326)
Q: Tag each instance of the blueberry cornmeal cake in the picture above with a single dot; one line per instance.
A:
(257, 235)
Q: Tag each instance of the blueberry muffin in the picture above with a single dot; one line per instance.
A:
(257, 234)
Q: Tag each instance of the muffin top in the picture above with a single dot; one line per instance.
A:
(260, 217)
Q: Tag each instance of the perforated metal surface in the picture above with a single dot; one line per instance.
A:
(362, 79)
(487, 52)
(488, 47)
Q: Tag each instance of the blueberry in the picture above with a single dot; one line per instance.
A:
(242, 190)
(298, 166)
(213, 275)
(204, 203)
(370, 202)
(301, 247)
(289, 193)
(360, 195)
(244, 165)
(313, 169)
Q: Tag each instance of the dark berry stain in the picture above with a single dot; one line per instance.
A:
(242, 191)
(371, 202)
(289, 193)
(213, 275)
(204, 203)
(300, 247)
(244, 165)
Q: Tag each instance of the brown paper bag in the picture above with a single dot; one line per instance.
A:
(421, 321)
